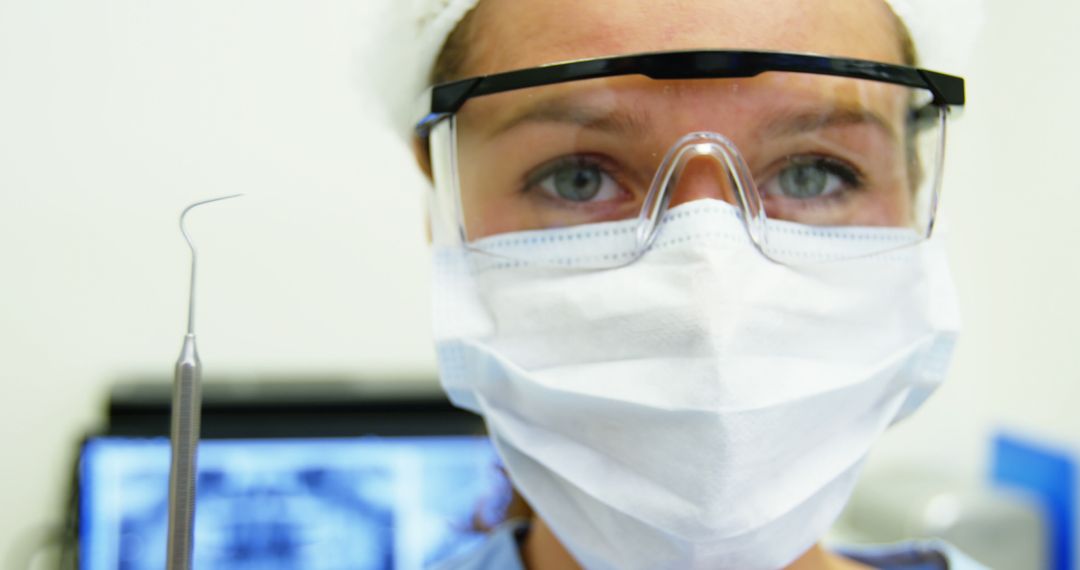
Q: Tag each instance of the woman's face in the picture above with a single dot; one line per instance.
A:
(841, 159)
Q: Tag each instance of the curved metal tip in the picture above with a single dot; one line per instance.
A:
(183, 229)
(191, 246)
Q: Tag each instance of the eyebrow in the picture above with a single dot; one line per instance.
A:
(810, 121)
(634, 124)
(617, 122)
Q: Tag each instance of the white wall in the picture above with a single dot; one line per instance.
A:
(116, 114)
(1013, 200)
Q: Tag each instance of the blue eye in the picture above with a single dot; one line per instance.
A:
(578, 184)
(575, 179)
(806, 178)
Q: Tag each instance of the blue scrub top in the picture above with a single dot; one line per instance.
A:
(500, 552)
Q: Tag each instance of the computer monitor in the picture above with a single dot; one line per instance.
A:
(291, 478)
(312, 504)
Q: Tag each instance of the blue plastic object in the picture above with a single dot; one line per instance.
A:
(1050, 476)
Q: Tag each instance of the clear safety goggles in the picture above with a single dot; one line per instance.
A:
(788, 140)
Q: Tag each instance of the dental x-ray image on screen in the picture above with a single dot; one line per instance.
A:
(314, 504)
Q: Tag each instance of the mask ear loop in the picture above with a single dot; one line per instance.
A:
(692, 146)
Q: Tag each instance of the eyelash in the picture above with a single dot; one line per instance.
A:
(533, 178)
(852, 177)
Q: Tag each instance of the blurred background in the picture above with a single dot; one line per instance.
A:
(116, 114)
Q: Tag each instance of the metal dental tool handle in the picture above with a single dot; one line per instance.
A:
(184, 437)
(184, 434)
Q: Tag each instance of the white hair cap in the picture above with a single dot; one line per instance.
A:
(944, 33)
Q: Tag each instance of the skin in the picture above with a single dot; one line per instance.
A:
(514, 34)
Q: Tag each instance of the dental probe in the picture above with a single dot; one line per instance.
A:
(184, 435)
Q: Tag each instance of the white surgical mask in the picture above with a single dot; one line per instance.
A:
(702, 407)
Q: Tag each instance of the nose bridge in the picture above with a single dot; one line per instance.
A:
(704, 166)
(699, 177)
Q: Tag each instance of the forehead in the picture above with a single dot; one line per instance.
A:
(514, 34)
(638, 97)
